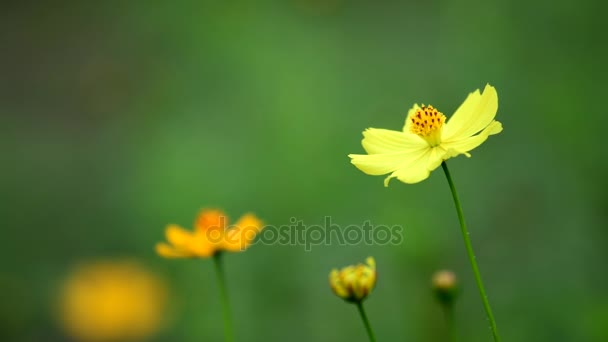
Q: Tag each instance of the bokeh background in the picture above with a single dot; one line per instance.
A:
(118, 117)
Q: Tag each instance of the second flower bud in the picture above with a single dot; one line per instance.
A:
(354, 283)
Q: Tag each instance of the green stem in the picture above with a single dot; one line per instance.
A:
(368, 327)
(469, 247)
(448, 311)
(221, 283)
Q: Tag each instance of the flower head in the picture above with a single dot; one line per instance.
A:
(445, 286)
(354, 283)
(427, 139)
(211, 234)
(112, 301)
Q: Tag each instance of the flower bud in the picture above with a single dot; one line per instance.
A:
(354, 283)
(445, 286)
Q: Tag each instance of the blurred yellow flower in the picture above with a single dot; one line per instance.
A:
(445, 286)
(111, 301)
(354, 283)
(444, 280)
(427, 139)
(211, 234)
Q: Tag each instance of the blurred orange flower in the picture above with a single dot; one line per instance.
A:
(111, 301)
(211, 234)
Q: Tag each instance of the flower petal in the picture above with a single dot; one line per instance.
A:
(377, 141)
(381, 164)
(473, 115)
(418, 168)
(387, 150)
(371, 262)
(337, 285)
(167, 251)
(242, 234)
(178, 236)
(211, 219)
(463, 146)
(206, 243)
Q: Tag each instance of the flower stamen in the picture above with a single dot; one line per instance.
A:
(427, 123)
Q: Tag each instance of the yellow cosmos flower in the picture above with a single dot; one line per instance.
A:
(354, 283)
(111, 301)
(427, 139)
(211, 234)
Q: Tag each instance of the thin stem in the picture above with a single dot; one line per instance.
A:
(221, 283)
(448, 311)
(469, 247)
(368, 327)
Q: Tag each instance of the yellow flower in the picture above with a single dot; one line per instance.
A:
(444, 280)
(427, 139)
(211, 234)
(353, 283)
(445, 286)
(111, 301)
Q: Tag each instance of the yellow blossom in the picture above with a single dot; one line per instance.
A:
(445, 286)
(354, 283)
(444, 280)
(111, 301)
(427, 139)
(211, 234)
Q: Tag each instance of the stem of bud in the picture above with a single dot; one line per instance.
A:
(368, 327)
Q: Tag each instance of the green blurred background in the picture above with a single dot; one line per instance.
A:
(118, 117)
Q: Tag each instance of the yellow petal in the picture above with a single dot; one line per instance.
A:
(234, 241)
(473, 115)
(336, 284)
(467, 144)
(205, 244)
(377, 141)
(371, 262)
(211, 219)
(178, 236)
(419, 166)
(250, 221)
(408, 122)
(242, 234)
(380, 164)
(166, 251)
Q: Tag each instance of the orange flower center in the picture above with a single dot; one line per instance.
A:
(427, 122)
